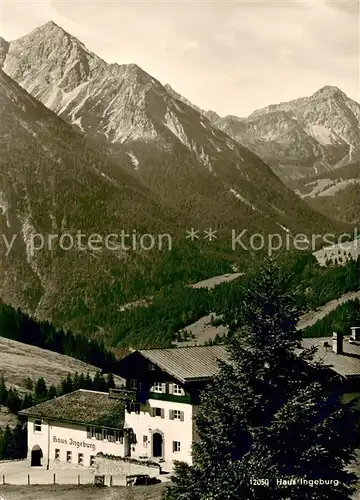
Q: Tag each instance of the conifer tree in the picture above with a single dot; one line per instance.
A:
(40, 390)
(13, 400)
(8, 446)
(67, 385)
(82, 381)
(271, 413)
(88, 382)
(27, 401)
(76, 381)
(3, 391)
(52, 392)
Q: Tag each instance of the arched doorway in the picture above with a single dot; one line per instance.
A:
(157, 444)
(36, 456)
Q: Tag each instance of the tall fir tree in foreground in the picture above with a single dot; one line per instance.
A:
(271, 413)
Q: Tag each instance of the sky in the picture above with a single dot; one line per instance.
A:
(228, 56)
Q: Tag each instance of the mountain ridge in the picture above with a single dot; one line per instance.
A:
(327, 124)
(184, 159)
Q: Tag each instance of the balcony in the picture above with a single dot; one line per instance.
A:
(124, 394)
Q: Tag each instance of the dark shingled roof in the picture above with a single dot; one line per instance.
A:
(81, 407)
(188, 364)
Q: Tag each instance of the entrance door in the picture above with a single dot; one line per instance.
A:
(127, 443)
(36, 456)
(157, 442)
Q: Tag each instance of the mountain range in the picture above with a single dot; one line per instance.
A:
(186, 161)
(94, 147)
(305, 137)
(53, 183)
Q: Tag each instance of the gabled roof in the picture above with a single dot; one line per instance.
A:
(81, 407)
(346, 364)
(188, 364)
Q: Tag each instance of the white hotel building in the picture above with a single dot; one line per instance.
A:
(151, 418)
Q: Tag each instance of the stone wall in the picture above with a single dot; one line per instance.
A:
(113, 466)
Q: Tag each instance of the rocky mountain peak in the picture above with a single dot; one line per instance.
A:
(50, 54)
(329, 91)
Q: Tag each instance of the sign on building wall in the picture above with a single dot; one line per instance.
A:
(72, 442)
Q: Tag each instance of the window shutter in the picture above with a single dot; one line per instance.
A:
(171, 388)
(173, 446)
(163, 387)
(182, 416)
(162, 413)
(152, 412)
(171, 414)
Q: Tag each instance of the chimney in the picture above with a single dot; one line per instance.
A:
(355, 332)
(337, 342)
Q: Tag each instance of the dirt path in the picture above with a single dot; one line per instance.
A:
(216, 280)
(203, 330)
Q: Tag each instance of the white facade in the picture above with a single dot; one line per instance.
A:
(168, 434)
(66, 442)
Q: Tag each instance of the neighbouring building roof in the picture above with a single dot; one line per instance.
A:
(81, 407)
(346, 364)
(188, 364)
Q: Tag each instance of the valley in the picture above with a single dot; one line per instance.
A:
(144, 239)
(335, 194)
(170, 169)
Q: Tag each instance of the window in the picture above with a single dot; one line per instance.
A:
(177, 389)
(135, 407)
(57, 454)
(151, 367)
(158, 387)
(92, 460)
(176, 415)
(68, 456)
(98, 434)
(157, 412)
(133, 384)
(80, 458)
(37, 426)
(109, 435)
(176, 446)
(119, 437)
(90, 432)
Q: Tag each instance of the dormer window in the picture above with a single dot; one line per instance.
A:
(177, 390)
(158, 387)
